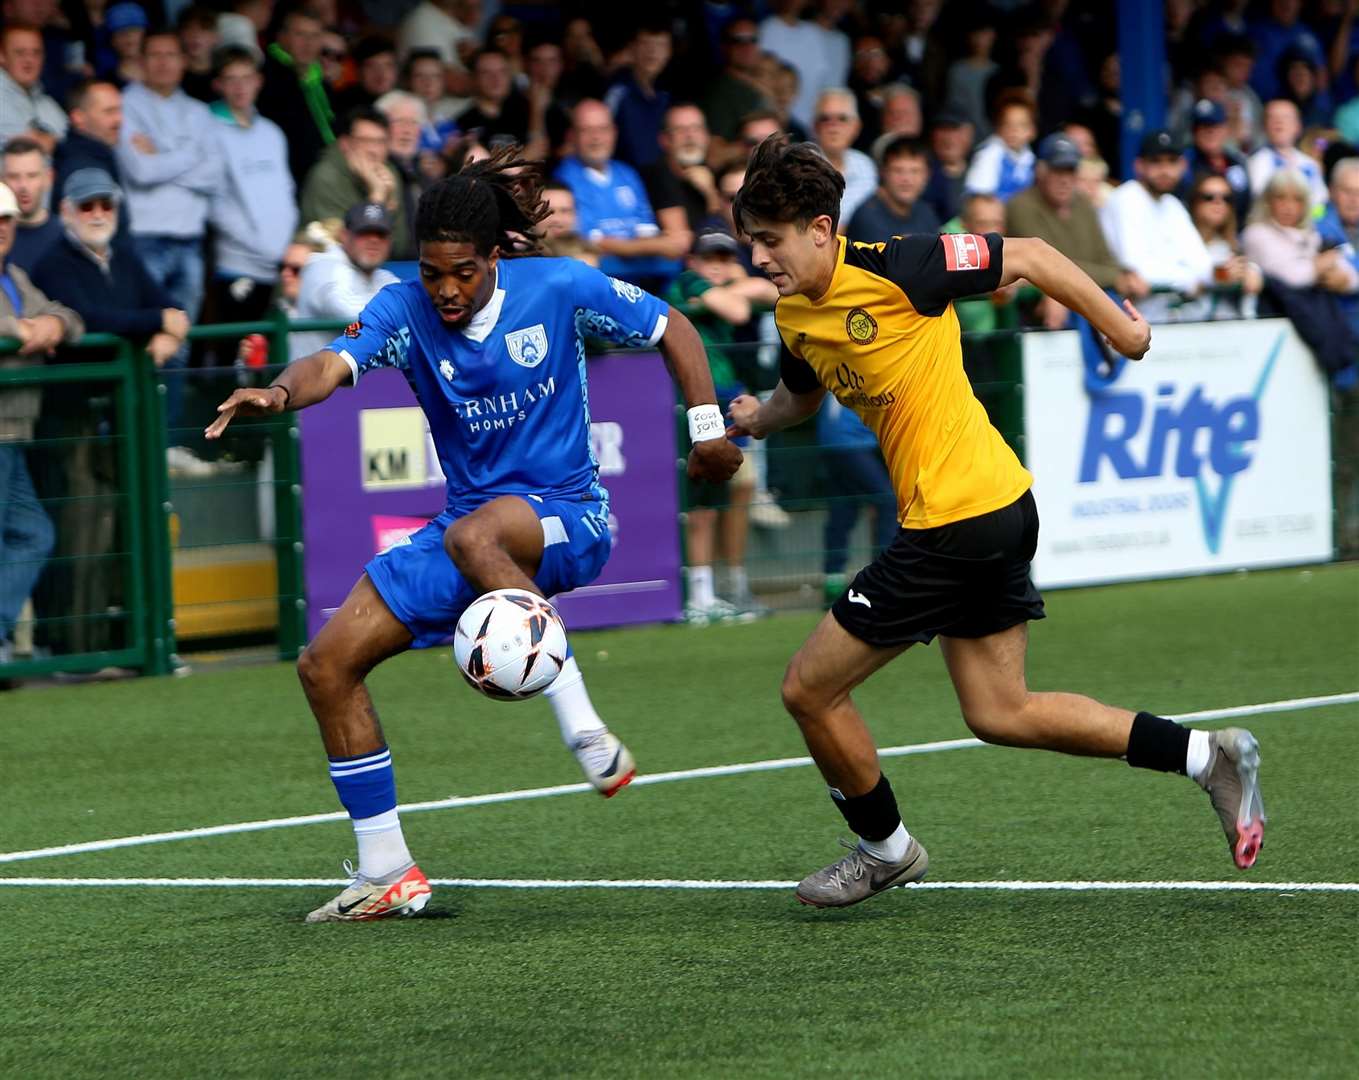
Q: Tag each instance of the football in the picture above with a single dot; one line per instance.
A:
(510, 644)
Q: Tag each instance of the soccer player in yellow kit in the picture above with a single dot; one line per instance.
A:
(874, 325)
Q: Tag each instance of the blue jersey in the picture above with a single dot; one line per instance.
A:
(506, 396)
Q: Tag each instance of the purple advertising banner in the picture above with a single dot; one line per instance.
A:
(370, 476)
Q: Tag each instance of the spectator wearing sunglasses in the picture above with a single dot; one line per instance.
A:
(1212, 209)
(836, 126)
(1210, 155)
(736, 92)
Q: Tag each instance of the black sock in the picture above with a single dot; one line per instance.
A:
(872, 816)
(1157, 743)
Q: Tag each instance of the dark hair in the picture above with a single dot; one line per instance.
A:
(788, 181)
(494, 203)
(197, 15)
(22, 144)
(1229, 226)
(901, 146)
(489, 50)
(224, 57)
(419, 54)
(77, 96)
(161, 32)
(370, 46)
(359, 114)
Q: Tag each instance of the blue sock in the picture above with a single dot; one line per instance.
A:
(366, 784)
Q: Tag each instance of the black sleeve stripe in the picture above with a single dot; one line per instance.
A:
(796, 374)
(931, 275)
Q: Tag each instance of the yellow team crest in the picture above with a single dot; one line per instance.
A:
(861, 326)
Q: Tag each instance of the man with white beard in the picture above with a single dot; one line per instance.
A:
(681, 177)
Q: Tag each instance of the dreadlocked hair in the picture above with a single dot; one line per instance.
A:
(788, 181)
(494, 203)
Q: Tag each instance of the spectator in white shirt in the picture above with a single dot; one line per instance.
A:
(836, 126)
(1283, 126)
(338, 283)
(1150, 231)
(24, 108)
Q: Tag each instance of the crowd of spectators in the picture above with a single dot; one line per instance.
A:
(174, 163)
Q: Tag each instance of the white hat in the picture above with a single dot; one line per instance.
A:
(9, 205)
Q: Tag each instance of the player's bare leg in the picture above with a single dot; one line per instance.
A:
(988, 676)
(360, 635)
(816, 691)
(500, 546)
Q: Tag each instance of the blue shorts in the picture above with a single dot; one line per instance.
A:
(428, 593)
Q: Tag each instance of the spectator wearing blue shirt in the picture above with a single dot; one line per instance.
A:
(636, 102)
(612, 209)
(1282, 31)
(1339, 224)
(1210, 155)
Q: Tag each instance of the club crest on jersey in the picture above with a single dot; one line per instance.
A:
(626, 289)
(861, 327)
(446, 369)
(354, 329)
(527, 348)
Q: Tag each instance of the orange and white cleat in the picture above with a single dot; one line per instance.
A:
(400, 895)
(605, 761)
(1232, 781)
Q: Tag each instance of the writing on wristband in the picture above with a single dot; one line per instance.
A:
(287, 394)
(705, 422)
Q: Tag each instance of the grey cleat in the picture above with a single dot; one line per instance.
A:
(860, 875)
(1232, 781)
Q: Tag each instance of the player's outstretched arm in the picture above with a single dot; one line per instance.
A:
(750, 416)
(713, 457)
(1048, 269)
(303, 382)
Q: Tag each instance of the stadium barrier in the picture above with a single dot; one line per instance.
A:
(145, 557)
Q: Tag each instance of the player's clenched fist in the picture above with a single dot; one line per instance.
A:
(742, 414)
(714, 460)
(251, 402)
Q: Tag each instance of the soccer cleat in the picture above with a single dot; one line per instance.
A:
(405, 894)
(860, 875)
(717, 611)
(1232, 781)
(605, 761)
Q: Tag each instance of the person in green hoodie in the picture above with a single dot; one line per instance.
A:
(295, 96)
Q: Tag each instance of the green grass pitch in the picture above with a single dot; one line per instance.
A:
(227, 981)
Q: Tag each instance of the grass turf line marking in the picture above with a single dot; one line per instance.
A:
(690, 884)
(458, 801)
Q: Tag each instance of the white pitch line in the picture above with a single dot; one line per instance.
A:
(689, 884)
(460, 801)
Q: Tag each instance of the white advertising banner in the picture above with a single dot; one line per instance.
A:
(1212, 453)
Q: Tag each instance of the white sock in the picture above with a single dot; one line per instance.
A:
(382, 847)
(570, 703)
(893, 849)
(740, 582)
(1196, 761)
(700, 585)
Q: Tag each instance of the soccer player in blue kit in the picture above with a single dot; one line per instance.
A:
(492, 345)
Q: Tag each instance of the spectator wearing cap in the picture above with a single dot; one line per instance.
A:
(951, 136)
(26, 169)
(613, 210)
(681, 178)
(107, 282)
(357, 170)
(96, 107)
(254, 211)
(295, 96)
(835, 128)
(636, 98)
(24, 108)
(339, 282)
(118, 53)
(375, 60)
(1055, 210)
(40, 324)
(719, 296)
(1283, 128)
(1210, 155)
(1149, 230)
(896, 208)
(1003, 163)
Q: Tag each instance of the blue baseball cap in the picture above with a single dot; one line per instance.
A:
(1059, 151)
(125, 16)
(85, 184)
(1208, 112)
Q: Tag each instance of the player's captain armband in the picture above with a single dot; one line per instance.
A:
(705, 422)
(966, 251)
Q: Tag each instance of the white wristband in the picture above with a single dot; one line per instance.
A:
(705, 422)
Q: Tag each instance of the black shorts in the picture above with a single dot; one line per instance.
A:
(967, 579)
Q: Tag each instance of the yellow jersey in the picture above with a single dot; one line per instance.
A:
(885, 341)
